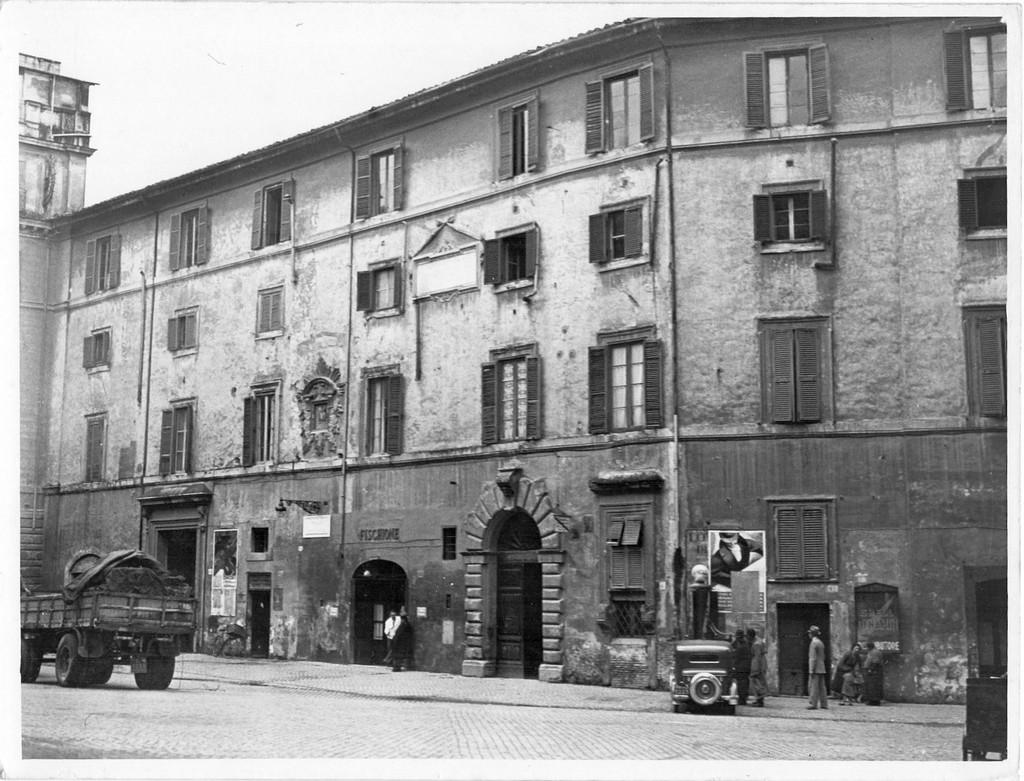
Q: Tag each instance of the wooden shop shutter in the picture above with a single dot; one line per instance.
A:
(954, 61)
(492, 262)
(248, 431)
(364, 291)
(597, 242)
(634, 221)
(753, 67)
(808, 375)
(819, 215)
(787, 542)
(203, 236)
(598, 390)
(362, 188)
(652, 384)
(780, 344)
(257, 220)
(395, 416)
(817, 59)
(646, 79)
(595, 116)
(166, 437)
(814, 539)
(533, 397)
(762, 217)
(505, 143)
(175, 242)
(90, 267)
(967, 202)
(488, 403)
(992, 360)
(287, 198)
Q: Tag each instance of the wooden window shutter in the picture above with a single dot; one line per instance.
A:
(492, 262)
(398, 285)
(175, 242)
(808, 375)
(488, 403)
(276, 306)
(788, 559)
(780, 345)
(631, 531)
(819, 215)
(533, 397)
(955, 66)
(967, 202)
(172, 334)
(617, 567)
(166, 438)
(597, 242)
(186, 421)
(395, 416)
(87, 358)
(364, 291)
(634, 222)
(248, 431)
(992, 360)
(90, 267)
(646, 78)
(531, 251)
(595, 117)
(101, 348)
(598, 390)
(753, 67)
(532, 134)
(399, 176)
(634, 566)
(287, 198)
(505, 143)
(814, 542)
(652, 384)
(762, 217)
(614, 532)
(257, 220)
(203, 236)
(114, 267)
(189, 322)
(817, 58)
(362, 188)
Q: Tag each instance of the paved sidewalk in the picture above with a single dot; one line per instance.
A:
(377, 681)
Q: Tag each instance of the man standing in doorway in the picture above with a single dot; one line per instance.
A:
(390, 627)
(816, 671)
(758, 667)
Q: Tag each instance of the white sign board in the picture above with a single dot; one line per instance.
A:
(448, 272)
(316, 525)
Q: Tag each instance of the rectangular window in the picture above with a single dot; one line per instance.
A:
(260, 539)
(625, 568)
(616, 234)
(975, 66)
(985, 342)
(517, 139)
(379, 288)
(96, 349)
(620, 110)
(189, 238)
(384, 415)
(803, 534)
(272, 214)
(787, 88)
(259, 422)
(510, 257)
(795, 371)
(379, 185)
(791, 216)
(102, 264)
(510, 393)
(176, 436)
(625, 386)
(182, 331)
(95, 447)
(269, 314)
(981, 200)
(448, 543)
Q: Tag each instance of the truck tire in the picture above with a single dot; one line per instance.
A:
(31, 660)
(160, 673)
(100, 670)
(70, 669)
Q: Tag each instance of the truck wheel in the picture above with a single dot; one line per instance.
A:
(31, 660)
(160, 672)
(69, 668)
(100, 670)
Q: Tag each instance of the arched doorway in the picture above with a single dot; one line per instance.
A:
(378, 586)
(519, 615)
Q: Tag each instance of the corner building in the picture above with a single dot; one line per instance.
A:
(513, 351)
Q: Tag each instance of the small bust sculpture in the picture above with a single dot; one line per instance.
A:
(700, 575)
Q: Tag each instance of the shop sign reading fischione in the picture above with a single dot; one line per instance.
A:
(737, 564)
(388, 534)
(224, 584)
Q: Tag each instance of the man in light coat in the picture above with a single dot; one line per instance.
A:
(816, 671)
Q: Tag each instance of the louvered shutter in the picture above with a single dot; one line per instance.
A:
(533, 397)
(652, 384)
(992, 352)
(967, 202)
(819, 215)
(814, 534)
(488, 403)
(257, 220)
(90, 267)
(646, 79)
(505, 143)
(788, 558)
(186, 421)
(166, 437)
(114, 266)
(598, 390)
(817, 57)
(614, 534)
(631, 531)
(364, 291)
(492, 262)
(531, 251)
(276, 305)
(597, 242)
(808, 375)
(189, 339)
(398, 176)
(264, 314)
(617, 568)
(173, 341)
(87, 358)
(362, 188)
(287, 199)
(634, 566)
(595, 117)
(395, 416)
(762, 217)
(780, 342)
(955, 65)
(634, 220)
(398, 285)
(203, 236)
(532, 134)
(101, 348)
(753, 66)
(175, 242)
(248, 431)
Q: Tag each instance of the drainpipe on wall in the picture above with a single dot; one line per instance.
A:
(143, 347)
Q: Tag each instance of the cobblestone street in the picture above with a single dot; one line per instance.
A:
(229, 709)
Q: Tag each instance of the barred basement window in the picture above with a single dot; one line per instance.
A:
(448, 543)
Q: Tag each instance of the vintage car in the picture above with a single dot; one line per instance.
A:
(701, 677)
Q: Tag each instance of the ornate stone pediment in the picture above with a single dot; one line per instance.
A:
(447, 238)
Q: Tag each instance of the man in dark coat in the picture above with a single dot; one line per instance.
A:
(741, 665)
(401, 645)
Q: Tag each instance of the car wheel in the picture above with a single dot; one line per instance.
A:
(705, 689)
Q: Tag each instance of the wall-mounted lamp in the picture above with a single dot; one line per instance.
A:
(311, 506)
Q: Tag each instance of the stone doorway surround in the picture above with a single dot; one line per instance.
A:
(509, 493)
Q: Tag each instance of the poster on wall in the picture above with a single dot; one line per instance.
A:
(738, 569)
(225, 573)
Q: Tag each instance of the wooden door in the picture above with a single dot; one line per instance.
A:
(793, 643)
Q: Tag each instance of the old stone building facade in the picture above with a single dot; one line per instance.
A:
(515, 351)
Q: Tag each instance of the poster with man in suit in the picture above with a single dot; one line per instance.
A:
(738, 570)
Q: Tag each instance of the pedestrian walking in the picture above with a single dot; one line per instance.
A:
(401, 645)
(758, 667)
(390, 626)
(873, 683)
(817, 672)
(849, 661)
(741, 665)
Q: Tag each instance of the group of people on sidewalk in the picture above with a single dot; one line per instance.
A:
(857, 676)
(749, 667)
(398, 633)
